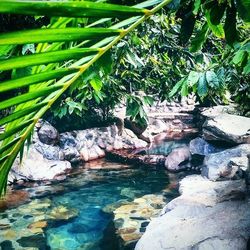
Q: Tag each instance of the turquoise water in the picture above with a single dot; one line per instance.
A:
(87, 191)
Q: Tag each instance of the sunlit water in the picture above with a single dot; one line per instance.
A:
(87, 191)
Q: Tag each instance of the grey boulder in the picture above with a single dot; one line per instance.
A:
(228, 128)
(226, 164)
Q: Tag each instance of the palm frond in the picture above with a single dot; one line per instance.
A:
(56, 66)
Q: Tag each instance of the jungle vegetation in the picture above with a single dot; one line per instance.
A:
(74, 58)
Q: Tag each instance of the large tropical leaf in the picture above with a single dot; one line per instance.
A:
(64, 51)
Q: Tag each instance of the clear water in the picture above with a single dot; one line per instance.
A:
(88, 191)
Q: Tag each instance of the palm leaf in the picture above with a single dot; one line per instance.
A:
(66, 50)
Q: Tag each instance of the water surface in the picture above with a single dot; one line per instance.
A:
(87, 191)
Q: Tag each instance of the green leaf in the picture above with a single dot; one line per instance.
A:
(21, 113)
(184, 89)
(238, 57)
(200, 38)
(216, 12)
(187, 27)
(36, 78)
(193, 78)
(45, 58)
(67, 9)
(176, 87)
(28, 96)
(231, 33)
(56, 35)
(202, 89)
(212, 79)
(106, 63)
(96, 83)
(148, 100)
(9, 145)
(16, 129)
(243, 7)
(5, 49)
(216, 29)
(246, 69)
(197, 4)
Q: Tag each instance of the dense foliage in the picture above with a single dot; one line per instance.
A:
(189, 49)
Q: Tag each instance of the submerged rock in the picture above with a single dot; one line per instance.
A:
(131, 219)
(226, 164)
(62, 213)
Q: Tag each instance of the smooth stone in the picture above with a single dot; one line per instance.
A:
(62, 213)
(48, 134)
(176, 157)
(130, 237)
(38, 224)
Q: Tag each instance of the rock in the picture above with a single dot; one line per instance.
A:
(135, 127)
(38, 224)
(84, 154)
(205, 216)
(33, 241)
(224, 165)
(71, 154)
(212, 112)
(35, 167)
(68, 140)
(50, 152)
(228, 128)
(62, 213)
(131, 219)
(92, 153)
(48, 134)
(14, 199)
(200, 147)
(100, 153)
(176, 157)
(195, 188)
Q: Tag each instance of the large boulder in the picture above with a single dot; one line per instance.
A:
(47, 133)
(199, 146)
(35, 167)
(229, 128)
(208, 215)
(49, 152)
(175, 159)
(226, 164)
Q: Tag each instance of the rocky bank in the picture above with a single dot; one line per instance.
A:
(212, 211)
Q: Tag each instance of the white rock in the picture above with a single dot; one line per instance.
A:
(229, 128)
(35, 167)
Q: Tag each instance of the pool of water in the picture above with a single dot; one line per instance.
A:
(69, 214)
